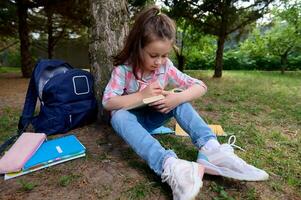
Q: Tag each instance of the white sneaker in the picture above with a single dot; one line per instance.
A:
(224, 162)
(184, 179)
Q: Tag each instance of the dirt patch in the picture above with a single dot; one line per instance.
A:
(104, 173)
(12, 90)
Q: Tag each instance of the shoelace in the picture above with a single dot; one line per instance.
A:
(231, 142)
(166, 177)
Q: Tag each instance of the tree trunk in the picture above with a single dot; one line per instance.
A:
(50, 48)
(181, 62)
(26, 59)
(179, 51)
(109, 27)
(180, 59)
(283, 63)
(218, 68)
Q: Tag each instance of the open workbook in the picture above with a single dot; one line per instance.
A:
(152, 99)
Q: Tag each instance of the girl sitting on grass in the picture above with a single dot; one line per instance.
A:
(143, 70)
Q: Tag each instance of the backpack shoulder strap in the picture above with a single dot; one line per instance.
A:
(29, 105)
(10, 141)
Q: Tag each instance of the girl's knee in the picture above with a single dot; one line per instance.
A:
(184, 105)
(119, 116)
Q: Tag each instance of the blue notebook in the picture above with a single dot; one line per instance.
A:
(161, 130)
(55, 150)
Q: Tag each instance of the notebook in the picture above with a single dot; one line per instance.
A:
(55, 150)
(38, 167)
(152, 99)
(51, 153)
(217, 129)
(161, 130)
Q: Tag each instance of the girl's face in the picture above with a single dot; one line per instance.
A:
(155, 54)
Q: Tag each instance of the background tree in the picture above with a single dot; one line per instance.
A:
(8, 19)
(109, 27)
(134, 6)
(193, 46)
(285, 37)
(182, 29)
(278, 39)
(282, 41)
(23, 29)
(53, 18)
(219, 18)
(58, 20)
(8, 26)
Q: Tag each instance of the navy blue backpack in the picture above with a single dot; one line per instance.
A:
(66, 98)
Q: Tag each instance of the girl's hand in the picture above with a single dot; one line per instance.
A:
(152, 89)
(167, 104)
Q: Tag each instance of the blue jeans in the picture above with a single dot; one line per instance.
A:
(134, 127)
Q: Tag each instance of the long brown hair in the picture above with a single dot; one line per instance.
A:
(150, 25)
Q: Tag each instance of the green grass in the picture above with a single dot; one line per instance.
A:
(263, 109)
(221, 193)
(141, 190)
(67, 179)
(8, 122)
(26, 186)
(9, 69)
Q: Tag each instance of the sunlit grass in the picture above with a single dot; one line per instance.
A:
(9, 69)
(263, 109)
(8, 123)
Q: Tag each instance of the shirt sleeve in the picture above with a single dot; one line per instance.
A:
(116, 84)
(178, 79)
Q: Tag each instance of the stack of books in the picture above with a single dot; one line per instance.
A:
(52, 152)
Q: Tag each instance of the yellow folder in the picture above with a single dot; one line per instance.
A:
(217, 129)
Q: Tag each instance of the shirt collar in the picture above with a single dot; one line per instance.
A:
(156, 73)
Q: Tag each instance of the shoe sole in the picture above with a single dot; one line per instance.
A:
(213, 170)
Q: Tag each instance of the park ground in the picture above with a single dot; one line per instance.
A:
(262, 109)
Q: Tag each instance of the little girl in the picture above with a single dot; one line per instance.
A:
(144, 70)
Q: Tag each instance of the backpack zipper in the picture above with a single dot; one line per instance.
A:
(70, 120)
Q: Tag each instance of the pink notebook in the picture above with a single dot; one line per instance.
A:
(20, 152)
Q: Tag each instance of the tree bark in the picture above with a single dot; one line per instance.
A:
(218, 68)
(50, 48)
(180, 59)
(109, 27)
(26, 58)
(283, 62)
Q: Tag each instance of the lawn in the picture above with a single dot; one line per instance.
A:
(9, 69)
(263, 110)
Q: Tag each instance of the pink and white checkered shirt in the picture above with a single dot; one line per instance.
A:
(123, 81)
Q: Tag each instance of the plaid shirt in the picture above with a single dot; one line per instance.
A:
(123, 81)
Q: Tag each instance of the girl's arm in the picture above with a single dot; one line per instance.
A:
(125, 101)
(191, 93)
(118, 102)
(172, 100)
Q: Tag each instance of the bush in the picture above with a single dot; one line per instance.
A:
(199, 64)
(10, 58)
(294, 63)
(236, 60)
(267, 63)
